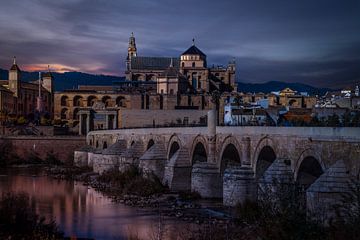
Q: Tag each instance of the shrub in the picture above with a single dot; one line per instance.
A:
(21, 120)
(18, 220)
(132, 182)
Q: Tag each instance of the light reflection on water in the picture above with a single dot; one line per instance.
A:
(81, 211)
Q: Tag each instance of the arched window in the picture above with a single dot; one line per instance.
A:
(64, 100)
(193, 64)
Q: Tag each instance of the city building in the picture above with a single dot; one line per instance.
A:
(192, 65)
(19, 98)
(171, 87)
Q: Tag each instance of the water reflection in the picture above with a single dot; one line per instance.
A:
(79, 210)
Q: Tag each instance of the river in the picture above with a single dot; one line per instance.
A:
(82, 212)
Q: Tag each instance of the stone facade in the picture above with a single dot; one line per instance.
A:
(19, 98)
(234, 162)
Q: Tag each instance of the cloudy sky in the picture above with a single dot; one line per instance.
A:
(311, 41)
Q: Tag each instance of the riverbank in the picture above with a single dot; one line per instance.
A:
(132, 189)
(279, 214)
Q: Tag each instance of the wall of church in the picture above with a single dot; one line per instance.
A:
(143, 118)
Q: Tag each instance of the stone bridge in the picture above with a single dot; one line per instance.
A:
(231, 162)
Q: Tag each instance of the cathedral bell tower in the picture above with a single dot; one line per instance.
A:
(15, 78)
(131, 51)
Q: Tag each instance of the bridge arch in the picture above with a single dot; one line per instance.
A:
(199, 153)
(199, 149)
(230, 153)
(309, 167)
(267, 150)
(173, 146)
(230, 156)
(150, 143)
(265, 158)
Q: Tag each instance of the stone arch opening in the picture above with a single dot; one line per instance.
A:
(150, 77)
(132, 143)
(78, 101)
(64, 113)
(229, 157)
(104, 145)
(75, 114)
(120, 101)
(309, 170)
(106, 100)
(64, 101)
(292, 102)
(173, 149)
(199, 154)
(91, 100)
(266, 157)
(150, 144)
(97, 144)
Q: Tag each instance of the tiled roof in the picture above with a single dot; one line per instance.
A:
(193, 50)
(170, 72)
(4, 89)
(153, 63)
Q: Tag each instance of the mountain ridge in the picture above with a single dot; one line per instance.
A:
(71, 80)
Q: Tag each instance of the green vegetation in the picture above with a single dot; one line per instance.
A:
(130, 182)
(18, 220)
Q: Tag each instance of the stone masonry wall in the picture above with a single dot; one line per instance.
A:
(140, 118)
(62, 147)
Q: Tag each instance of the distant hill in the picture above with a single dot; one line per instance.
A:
(70, 80)
(277, 86)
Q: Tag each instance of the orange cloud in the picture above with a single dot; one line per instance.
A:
(44, 67)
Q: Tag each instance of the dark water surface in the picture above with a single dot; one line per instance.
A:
(80, 211)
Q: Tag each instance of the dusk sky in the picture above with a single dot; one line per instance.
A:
(310, 41)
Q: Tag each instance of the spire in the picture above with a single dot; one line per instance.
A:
(171, 63)
(132, 46)
(193, 40)
(14, 60)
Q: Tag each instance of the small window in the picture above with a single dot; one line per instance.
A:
(183, 64)
(171, 91)
(193, 64)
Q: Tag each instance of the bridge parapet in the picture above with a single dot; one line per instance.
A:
(197, 158)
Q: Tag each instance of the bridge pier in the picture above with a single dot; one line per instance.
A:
(239, 185)
(177, 174)
(328, 191)
(279, 172)
(206, 180)
(130, 157)
(153, 161)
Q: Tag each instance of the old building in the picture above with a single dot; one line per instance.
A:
(192, 64)
(19, 98)
(171, 87)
